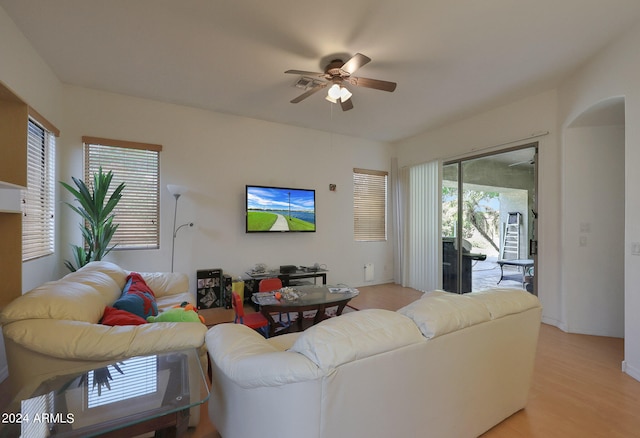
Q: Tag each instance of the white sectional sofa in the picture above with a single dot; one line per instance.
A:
(445, 366)
(54, 329)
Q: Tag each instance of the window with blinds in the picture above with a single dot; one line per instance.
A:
(138, 166)
(369, 205)
(38, 199)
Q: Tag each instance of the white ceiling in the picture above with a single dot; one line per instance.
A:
(450, 58)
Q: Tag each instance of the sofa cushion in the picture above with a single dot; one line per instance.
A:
(356, 335)
(166, 283)
(137, 297)
(56, 300)
(111, 269)
(107, 288)
(501, 302)
(168, 301)
(438, 313)
(113, 316)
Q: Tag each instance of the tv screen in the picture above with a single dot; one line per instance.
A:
(280, 210)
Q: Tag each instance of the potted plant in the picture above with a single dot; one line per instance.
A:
(96, 211)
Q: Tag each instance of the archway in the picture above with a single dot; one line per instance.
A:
(593, 220)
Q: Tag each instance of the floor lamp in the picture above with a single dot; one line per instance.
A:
(176, 191)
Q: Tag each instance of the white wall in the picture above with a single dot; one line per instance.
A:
(613, 73)
(616, 72)
(501, 125)
(593, 232)
(215, 155)
(26, 74)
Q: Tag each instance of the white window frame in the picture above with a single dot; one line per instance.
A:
(38, 200)
(138, 166)
(370, 192)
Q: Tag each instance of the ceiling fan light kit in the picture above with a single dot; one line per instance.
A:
(337, 73)
(334, 92)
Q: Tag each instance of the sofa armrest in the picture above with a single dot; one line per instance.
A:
(96, 342)
(250, 361)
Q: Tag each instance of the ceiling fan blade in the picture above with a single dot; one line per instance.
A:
(372, 83)
(346, 106)
(356, 61)
(306, 73)
(309, 93)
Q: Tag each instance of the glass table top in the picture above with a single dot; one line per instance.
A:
(304, 295)
(108, 398)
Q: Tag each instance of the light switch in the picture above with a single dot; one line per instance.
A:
(635, 248)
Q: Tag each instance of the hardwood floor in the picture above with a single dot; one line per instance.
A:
(385, 296)
(578, 388)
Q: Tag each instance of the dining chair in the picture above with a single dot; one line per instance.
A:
(269, 285)
(256, 321)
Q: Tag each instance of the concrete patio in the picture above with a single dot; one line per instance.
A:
(486, 274)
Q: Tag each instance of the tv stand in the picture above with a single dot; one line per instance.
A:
(287, 278)
(252, 279)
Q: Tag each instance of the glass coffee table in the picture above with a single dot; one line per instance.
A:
(125, 398)
(300, 299)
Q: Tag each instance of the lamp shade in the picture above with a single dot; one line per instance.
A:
(345, 94)
(176, 190)
(334, 91)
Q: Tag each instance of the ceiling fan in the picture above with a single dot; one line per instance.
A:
(338, 73)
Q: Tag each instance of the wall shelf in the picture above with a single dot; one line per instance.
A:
(14, 118)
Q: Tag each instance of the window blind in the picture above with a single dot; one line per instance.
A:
(38, 199)
(138, 166)
(370, 205)
(139, 377)
(33, 408)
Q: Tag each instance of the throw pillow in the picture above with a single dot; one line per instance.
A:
(137, 297)
(113, 316)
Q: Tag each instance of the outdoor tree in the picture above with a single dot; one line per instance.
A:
(478, 214)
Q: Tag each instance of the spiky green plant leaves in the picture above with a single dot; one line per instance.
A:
(96, 211)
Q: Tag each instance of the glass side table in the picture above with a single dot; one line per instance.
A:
(125, 398)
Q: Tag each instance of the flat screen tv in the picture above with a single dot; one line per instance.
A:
(280, 210)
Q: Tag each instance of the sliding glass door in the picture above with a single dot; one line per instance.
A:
(488, 221)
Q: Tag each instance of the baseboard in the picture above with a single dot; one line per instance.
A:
(632, 371)
(554, 322)
(375, 283)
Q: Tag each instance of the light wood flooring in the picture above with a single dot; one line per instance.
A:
(578, 387)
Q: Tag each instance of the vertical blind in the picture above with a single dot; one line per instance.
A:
(369, 205)
(138, 166)
(38, 199)
(424, 247)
